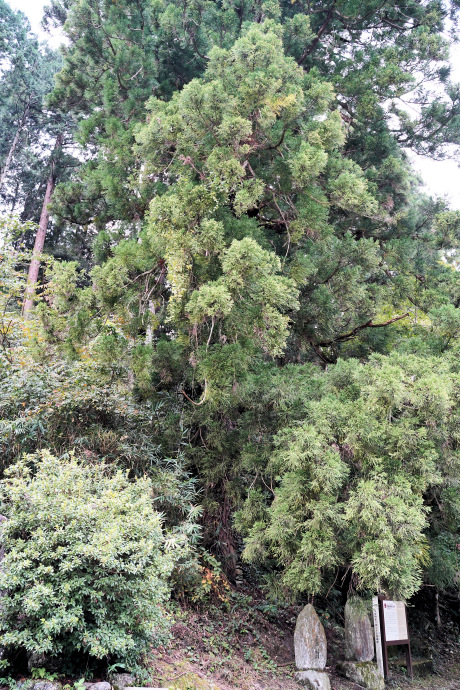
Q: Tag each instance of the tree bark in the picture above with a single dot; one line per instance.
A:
(34, 267)
(13, 146)
(437, 613)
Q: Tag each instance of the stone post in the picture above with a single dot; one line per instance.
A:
(310, 650)
(359, 647)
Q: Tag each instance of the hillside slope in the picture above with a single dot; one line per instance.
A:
(248, 644)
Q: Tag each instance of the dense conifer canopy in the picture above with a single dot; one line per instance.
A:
(261, 291)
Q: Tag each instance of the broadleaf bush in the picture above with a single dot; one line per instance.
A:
(85, 568)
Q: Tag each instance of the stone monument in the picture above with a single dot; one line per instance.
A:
(359, 647)
(359, 640)
(310, 650)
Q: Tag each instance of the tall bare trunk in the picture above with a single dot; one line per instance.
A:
(9, 157)
(34, 267)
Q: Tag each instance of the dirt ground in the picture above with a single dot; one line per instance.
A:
(248, 645)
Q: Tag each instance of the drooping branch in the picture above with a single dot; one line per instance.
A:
(203, 398)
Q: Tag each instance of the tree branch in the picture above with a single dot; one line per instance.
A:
(355, 331)
(314, 43)
(203, 397)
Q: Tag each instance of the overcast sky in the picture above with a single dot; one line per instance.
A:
(440, 177)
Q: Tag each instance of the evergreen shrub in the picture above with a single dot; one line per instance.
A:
(85, 567)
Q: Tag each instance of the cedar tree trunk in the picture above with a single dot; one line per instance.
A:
(41, 234)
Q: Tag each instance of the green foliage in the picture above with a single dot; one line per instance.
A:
(227, 153)
(85, 565)
(363, 478)
(42, 673)
(27, 128)
(61, 390)
(79, 684)
(270, 311)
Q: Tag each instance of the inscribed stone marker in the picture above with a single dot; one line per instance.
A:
(310, 641)
(359, 643)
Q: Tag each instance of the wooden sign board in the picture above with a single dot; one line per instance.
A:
(394, 616)
(390, 628)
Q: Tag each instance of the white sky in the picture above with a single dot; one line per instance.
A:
(441, 178)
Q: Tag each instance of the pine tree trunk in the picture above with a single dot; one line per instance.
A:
(13, 146)
(34, 267)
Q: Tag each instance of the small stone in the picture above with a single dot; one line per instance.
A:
(310, 641)
(121, 680)
(46, 685)
(103, 685)
(315, 680)
(359, 640)
(364, 673)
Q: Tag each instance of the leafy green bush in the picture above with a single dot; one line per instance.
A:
(85, 567)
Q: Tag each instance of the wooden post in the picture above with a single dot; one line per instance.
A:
(383, 638)
(378, 634)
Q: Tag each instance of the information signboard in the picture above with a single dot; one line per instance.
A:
(391, 618)
(394, 613)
